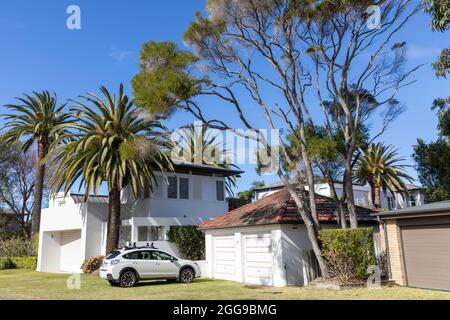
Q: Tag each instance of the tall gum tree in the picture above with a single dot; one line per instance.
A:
(279, 54)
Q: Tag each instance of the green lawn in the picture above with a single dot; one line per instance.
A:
(26, 284)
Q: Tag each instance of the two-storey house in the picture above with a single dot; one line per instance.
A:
(73, 230)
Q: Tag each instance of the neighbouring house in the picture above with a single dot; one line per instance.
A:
(418, 245)
(265, 242)
(73, 230)
(361, 193)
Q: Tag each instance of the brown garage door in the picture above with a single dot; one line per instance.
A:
(427, 256)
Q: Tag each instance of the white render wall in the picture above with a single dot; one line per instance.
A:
(287, 242)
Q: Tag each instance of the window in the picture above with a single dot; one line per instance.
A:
(220, 192)
(158, 255)
(138, 255)
(132, 255)
(158, 187)
(149, 233)
(172, 188)
(184, 188)
(390, 203)
(112, 255)
(412, 201)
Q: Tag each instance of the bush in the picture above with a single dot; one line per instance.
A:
(25, 262)
(7, 263)
(348, 253)
(190, 241)
(92, 264)
(17, 247)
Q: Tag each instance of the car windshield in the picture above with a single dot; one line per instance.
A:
(112, 255)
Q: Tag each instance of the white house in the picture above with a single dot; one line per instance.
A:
(265, 242)
(72, 230)
(362, 194)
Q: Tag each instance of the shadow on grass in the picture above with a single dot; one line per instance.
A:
(167, 282)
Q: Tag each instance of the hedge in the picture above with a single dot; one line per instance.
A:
(189, 240)
(18, 263)
(348, 253)
(25, 262)
(7, 263)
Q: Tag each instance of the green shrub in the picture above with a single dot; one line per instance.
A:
(7, 263)
(189, 240)
(348, 253)
(92, 264)
(16, 247)
(25, 262)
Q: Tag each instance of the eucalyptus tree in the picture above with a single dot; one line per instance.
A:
(277, 62)
(112, 141)
(381, 167)
(37, 120)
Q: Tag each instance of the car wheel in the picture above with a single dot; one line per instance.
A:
(187, 275)
(127, 279)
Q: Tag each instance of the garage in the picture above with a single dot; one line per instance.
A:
(418, 245)
(71, 251)
(258, 259)
(266, 243)
(225, 257)
(427, 256)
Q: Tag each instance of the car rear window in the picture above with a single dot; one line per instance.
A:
(112, 255)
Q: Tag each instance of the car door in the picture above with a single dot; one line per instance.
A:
(165, 264)
(142, 262)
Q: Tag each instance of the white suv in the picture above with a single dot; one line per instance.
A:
(129, 265)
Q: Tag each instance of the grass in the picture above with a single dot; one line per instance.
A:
(27, 284)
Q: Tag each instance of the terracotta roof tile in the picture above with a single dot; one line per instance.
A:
(279, 207)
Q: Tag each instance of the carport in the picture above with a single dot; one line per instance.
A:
(418, 245)
(62, 251)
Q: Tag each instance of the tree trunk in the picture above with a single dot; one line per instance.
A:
(348, 186)
(377, 197)
(39, 185)
(112, 238)
(340, 207)
(310, 228)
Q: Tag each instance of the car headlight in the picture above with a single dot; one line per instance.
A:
(114, 262)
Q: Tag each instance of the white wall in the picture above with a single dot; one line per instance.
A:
(49, 251)
(295, 242)
(162, 206)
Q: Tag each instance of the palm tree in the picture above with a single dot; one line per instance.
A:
(39, 120)
(198, 144)
(381, 168)
(112, 141)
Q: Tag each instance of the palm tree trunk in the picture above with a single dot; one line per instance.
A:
(377, 199)
(112, 238)
(39, 185)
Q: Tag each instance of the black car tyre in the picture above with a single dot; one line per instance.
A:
(187, 275)
(127, 279)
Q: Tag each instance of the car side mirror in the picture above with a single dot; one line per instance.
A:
(172, 259)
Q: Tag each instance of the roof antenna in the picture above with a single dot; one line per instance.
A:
(134, 244)
(152, 246)
(148, 245)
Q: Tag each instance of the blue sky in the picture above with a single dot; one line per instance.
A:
(38, 52)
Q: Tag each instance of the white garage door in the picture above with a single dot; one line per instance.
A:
(224, 257)
(71, 253)
(258, 259)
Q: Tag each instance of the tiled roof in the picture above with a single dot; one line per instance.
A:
(276, 208)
